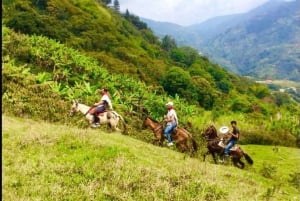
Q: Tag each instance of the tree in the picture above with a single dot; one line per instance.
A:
(117, 5)
(185, 55)
(176, 81)
(168, 43)
(135, 20)
(281, 98)
(106, 2)
(260, 91)
(205, 93)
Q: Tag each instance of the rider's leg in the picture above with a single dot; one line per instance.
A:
(98, 110)
(228, 146)
(167, 132)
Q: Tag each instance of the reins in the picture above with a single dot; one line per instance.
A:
(156, 129)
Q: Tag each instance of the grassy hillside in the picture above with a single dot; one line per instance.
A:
(43, 161)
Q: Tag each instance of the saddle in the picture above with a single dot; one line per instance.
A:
(221, 144)
(93, 110)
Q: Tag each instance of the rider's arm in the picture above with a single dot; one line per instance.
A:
(101, 102)
(234, 135)
(170, 117)
(167, 118)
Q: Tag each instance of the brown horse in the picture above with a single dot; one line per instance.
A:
(214, 147)
(179, 135)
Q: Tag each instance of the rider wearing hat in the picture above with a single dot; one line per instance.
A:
(171, 120)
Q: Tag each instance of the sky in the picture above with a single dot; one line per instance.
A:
(186, 12)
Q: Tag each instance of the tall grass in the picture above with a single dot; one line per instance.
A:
(43, 161)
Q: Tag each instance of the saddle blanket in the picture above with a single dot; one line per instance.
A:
(234, 148)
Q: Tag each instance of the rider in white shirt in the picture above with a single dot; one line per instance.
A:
(102, 105)
(172, 122)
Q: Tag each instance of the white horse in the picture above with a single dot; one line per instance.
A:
(109, 117)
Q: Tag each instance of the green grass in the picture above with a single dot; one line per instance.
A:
(43, 161)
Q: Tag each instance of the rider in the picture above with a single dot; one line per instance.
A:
(171, 120)
(235, 134)
(101, 106)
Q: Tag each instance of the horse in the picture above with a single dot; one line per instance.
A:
(111, 118)
(180, 136)
(214, 145)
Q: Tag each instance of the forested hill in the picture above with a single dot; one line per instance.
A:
(123, 44)
(58, 50)
(263, 42)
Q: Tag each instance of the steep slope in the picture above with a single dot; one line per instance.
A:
(64, 162)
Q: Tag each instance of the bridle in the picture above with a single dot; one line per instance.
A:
(73, 109)
(208, 134)
(156, 129)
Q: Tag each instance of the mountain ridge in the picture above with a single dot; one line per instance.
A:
(263, 42)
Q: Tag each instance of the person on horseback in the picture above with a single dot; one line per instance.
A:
(172, 122)
(101, 106)
(235, 134)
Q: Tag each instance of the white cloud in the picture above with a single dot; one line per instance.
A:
(187, 12)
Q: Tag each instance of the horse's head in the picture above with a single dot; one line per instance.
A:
(210, 132)
(146, 122)
(74, 107)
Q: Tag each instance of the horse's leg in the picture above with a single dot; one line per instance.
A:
(242, 163)
(204, 155)
(116, 123)
(181, 147)
(113, 123)
(156, 142)
(214, 157)
(237, 161)
(192, 146)
(184, 146)
(161, 142)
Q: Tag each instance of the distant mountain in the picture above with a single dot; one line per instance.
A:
(263, 42)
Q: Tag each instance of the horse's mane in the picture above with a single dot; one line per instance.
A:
(215, 130)
(153, 119)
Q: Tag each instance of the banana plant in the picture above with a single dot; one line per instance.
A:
(58, 88)
(43, 77)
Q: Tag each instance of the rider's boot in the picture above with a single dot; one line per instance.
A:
(96, 121)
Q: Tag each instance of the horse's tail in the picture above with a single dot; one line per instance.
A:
(248, 158)
(124, 123)
(195, 145)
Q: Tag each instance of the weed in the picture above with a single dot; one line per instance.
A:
(295, 179)
(268, 170)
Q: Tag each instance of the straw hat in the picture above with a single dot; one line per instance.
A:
(224, 129)
(169, 104)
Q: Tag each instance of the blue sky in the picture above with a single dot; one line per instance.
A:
(187, 12)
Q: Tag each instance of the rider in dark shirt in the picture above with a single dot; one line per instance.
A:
(235, 134)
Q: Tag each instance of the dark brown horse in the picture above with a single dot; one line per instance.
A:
(214, 147)
(181, 136)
